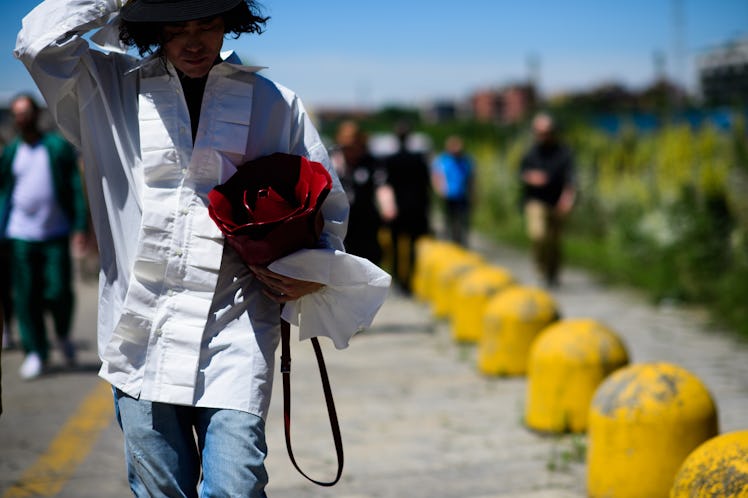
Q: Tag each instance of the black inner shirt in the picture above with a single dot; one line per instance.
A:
(193, 89)
(193, 93)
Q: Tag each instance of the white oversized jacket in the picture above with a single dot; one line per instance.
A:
(181, 319)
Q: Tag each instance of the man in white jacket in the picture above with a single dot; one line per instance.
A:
(187, 332)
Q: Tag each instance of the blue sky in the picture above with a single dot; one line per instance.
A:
(336, 52)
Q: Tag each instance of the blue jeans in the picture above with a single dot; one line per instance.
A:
(166, 444)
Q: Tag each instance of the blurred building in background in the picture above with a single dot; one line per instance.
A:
(723, 74)
(505, 105)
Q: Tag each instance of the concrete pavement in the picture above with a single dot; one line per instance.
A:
(417, 419)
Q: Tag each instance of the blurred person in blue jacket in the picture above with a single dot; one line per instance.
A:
(453, 174)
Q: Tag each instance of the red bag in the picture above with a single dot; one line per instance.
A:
(270, 207)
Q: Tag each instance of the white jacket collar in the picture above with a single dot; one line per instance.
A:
(229, 58)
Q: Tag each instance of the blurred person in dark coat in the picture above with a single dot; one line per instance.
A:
(8, 341)
(364, 180)
(2, 331)
(547, 179)
(408, 174)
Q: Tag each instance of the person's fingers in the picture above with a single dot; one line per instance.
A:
(278, 298)
(281, 288)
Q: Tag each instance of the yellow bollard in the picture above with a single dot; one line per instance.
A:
(424, 251)
(470, 297)
(447, 274)
(429, 252)
(511, 321)
(719, 467)
(568, 361)
(644, 421)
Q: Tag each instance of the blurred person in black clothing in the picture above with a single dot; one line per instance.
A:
(2, 331)
(5, 293)
(8, 341)
(364, 180)
(547, 178)
(408, 174)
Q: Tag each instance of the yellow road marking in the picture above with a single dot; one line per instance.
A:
(53, 469)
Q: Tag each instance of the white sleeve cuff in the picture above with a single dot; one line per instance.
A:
(355, 289)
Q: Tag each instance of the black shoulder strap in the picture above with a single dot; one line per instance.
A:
(285, 368)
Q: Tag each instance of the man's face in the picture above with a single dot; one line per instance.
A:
(24, 115)
(193, 46)
(543, 129)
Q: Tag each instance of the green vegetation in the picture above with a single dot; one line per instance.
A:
(665, 210)
(567, 449)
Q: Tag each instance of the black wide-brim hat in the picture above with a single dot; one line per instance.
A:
(174, 10)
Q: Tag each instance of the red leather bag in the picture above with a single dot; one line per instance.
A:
(270, 207)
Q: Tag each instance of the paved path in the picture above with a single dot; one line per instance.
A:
(417, 419)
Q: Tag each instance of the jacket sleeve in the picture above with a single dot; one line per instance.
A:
(6, 184)
(51, 46)
(79, 204)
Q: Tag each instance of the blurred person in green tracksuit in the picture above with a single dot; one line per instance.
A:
(42, 209)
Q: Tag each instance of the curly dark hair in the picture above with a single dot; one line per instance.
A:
(147, 37)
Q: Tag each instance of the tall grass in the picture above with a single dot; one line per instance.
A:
(666, 211)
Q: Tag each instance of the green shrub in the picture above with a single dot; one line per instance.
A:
(664, 211)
